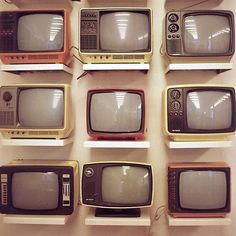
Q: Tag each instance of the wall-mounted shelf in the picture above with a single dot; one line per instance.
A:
(36, 219)
(143, 220)
(219, 67)
(199, 144)
(116, 144)
(37, 142)
(198, 221)
(100, 67)
(18, 68)
(42, 3)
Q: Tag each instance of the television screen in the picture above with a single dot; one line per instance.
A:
(40, 190)
(202, 190)
(206, 34)
(124, 31)
(40, 32)
(205, 108)
(41, 107)
(125, 185)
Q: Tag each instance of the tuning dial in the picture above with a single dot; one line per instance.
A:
(7, 96)
(173, 17)
(88, 172)
(173, 28)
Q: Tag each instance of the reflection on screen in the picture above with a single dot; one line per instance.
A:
(209, 110)
(202, 189)
(41, 107)
(40, 32)
(125, 185)
(206, 34)
(124, 31)
(116, 112)
(35, 190)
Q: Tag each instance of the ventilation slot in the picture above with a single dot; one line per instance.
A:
(36, 57)
(7, 117)
(139, 56)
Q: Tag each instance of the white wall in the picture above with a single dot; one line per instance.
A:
(158, 155)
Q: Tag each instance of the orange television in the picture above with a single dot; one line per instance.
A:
(34, 36)
(199, 189)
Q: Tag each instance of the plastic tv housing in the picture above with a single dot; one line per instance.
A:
(115, 35)
(200, 189)
(199, 112)
(117, 188)
(36, 111)
(34, 36)
(199, 36)
(39, 187)
(116, 114)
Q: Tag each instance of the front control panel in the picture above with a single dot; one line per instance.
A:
(8, 106)
(8, 31)
(89, 30)
(173, 33)
(175, 110)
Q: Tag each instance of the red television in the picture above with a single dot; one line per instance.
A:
(115, 114)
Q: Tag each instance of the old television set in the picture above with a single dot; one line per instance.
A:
(116, 114)
(115, 35)
(36, 111)
(34, 36)
(194, 112)
(199, 36)
(39, 187)
(117, 188)
(200, 189)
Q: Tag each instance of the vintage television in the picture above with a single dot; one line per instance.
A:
(199, 36)
(39, 187)
(116, 114)
(36, 111)
(199, 112)
(117, 188)
(199, 189)
(34, 36)
(115, 35)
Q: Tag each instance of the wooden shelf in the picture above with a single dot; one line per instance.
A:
(18, 68)
(114, 67)
(36, 219)
(200, 144)
(31, 4)
(37, 142)
(219, 67)
(116, 144)
(198, 221)
(143, 220)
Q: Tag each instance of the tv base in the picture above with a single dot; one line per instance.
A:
(104, 212)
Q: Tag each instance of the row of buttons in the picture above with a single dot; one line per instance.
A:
(17, 132)
(176, 113)
(173, 36)
(6, 32)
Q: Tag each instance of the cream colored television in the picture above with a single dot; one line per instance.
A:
(115, 35)
(36, 111)
(199, 112)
